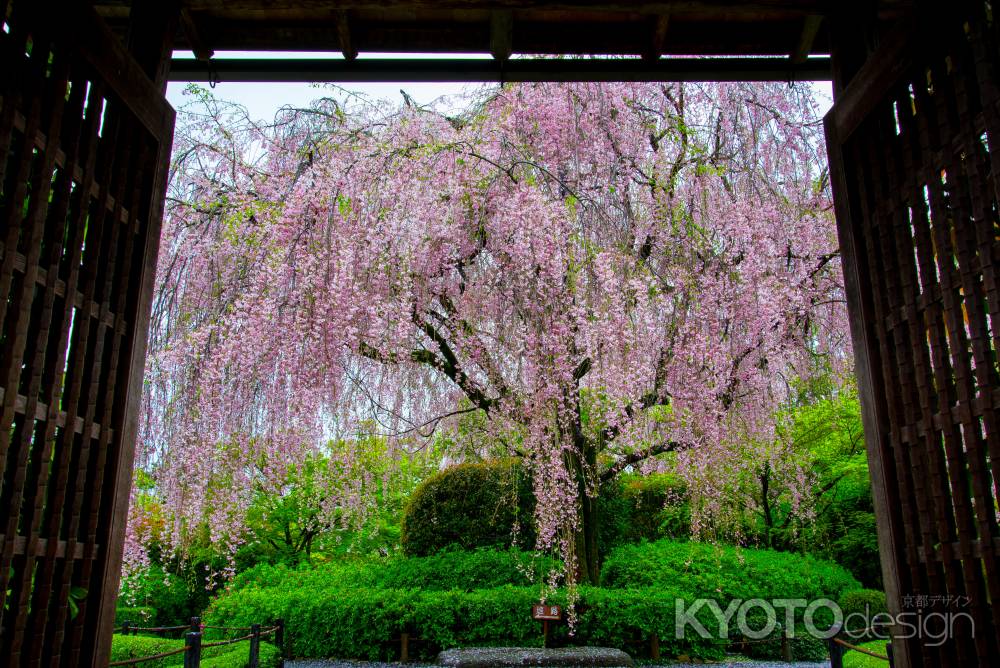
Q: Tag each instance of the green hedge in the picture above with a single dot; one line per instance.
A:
(470, 506)
(859, 607)
(454, 599)
(228, 656)
(725, 572)
(479, 569)
(139, 615)
(364, 623)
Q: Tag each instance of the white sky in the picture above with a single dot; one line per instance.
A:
(262, 100)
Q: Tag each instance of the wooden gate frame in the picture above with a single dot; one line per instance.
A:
(85, 139)
(914, 149)
(917, 341)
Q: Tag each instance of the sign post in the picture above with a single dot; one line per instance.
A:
(546, 614)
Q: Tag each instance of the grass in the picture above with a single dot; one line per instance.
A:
(858, 660)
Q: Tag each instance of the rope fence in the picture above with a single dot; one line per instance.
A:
(193, 644)
(838, 647)
(141, 659)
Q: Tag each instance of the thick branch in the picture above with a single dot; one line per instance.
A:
(636, 457)
(447, 363)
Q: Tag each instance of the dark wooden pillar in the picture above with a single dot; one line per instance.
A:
(914, 145)
(152, 26)
(84, 145)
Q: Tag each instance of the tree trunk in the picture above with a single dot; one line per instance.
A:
(583, 461)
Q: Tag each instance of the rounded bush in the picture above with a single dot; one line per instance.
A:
(864, 601)
(859, 607)
(476, 505)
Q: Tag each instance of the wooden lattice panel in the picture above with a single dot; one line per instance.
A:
(84, 139)
(915, 159)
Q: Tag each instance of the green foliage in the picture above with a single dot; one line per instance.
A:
(228, 656)
(803, 647)
(488, 504)
(453, 599)
(859, 608)
(289, 527)
(724, 572)
(362, 623)
(864, 601)
(141, 616)
(636, 508)
(481, 569)
(175, 597)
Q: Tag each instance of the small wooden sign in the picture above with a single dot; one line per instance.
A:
(546, 612)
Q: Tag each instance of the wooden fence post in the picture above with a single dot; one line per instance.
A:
(654, 647)
(279, 640)
(786, 646)
(192, 657)
(888, 653)
(404, 647)
(836, 649)
(126, 625)
(254, 645)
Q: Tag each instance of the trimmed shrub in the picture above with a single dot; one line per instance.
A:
(479, 569)
(228, 656)
(724, 572)
(453, 599)
(864, 601)
(142, 616)
(364, 623)
(487, 504)
(859, 607)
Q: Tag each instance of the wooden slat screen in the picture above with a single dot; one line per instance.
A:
(84, 144)
(915, 162)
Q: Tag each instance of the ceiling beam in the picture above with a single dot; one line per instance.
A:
(810, 26)
(526, 69)
(199, 47)
(660, 25)
(501, 34)
(347, 48)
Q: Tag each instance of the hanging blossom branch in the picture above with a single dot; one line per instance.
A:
(588, 269)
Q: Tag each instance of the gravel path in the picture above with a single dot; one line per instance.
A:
(321, 663)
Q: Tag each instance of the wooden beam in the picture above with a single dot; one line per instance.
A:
(659, 39)
(347, 47)
(194, 37)
(526, 69)
(724, 8)
(150, 40)
(501, 34)
(810, 26)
